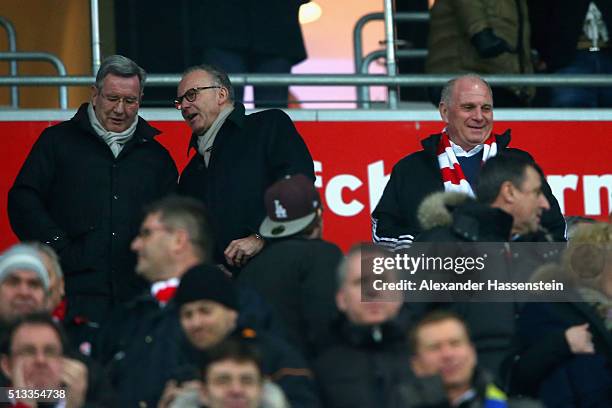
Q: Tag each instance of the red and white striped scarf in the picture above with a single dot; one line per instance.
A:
(452, 175)
(163, 291)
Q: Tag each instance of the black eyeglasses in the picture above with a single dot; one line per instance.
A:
(191, 95)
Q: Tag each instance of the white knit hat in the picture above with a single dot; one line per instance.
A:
(22, 256)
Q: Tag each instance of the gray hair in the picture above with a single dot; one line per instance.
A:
(446, 96)
(219, 76)
(120, 66)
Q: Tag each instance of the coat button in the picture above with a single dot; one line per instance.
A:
(148, 339)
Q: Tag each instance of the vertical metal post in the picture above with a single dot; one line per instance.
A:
(12, 45)
(95, 35)
(390, 41)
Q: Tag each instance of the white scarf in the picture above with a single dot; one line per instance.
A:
(114, 140)
(205, 141)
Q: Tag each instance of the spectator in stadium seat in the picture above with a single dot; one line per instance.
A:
(506, 215)
(33, 359)
(24, 283)
(233, 376)
(295, 272)
(573, 38)
(565, 348)
(449, 161)
(82, 188)
(485, 37)
(141, 342)
(368, 356)
(208, 308)
(25, 290)
(441, 345)
(237, 157)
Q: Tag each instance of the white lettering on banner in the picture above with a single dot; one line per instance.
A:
(558, 185)
(333, 195)
(592, 187)
(377, 180)
(318, 168)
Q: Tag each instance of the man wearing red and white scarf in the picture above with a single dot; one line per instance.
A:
(449, 161)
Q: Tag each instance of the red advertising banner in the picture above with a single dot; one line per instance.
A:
(353, 160)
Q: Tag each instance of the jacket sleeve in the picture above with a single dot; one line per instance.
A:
(27, 199)
(169, 181)
(390, 228)
(472, 15)
(292, 374)
(286, 151)
(540, 347)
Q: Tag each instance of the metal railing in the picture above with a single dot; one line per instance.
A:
(362, 63)
(416, 80)
(40, 56)
(12, 47)
(95, 36)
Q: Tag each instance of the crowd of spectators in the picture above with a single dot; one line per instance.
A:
(134, 287)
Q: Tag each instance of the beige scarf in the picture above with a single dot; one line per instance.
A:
(206, 141)
(114, 140)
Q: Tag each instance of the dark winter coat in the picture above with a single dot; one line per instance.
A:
(249, 154)
(364, 365)
(491, 324)
(297, 276)
(545, 367)
(394, 221)
(73, 194)
(268, 27)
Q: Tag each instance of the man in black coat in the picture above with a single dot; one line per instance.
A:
(237, 157)
(82, 188)
(208, 308)
(366, 358)
(450, 161)
(508, 211)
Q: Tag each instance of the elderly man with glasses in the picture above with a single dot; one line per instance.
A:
(237, 157)
(82, 188)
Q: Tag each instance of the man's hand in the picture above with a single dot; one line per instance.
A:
(239, 251)
(19, 380)
(173, 391)
(579, 339)
(74, 377)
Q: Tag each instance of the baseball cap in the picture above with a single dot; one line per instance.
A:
(291, 205)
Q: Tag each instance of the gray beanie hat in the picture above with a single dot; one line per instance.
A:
(22, 256)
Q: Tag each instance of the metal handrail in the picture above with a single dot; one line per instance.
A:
(95, 36)
(392, 94)
(40, 56)
(416, 80)
(364, 91)
(12, 46)
(358, 29)
(360, 60)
